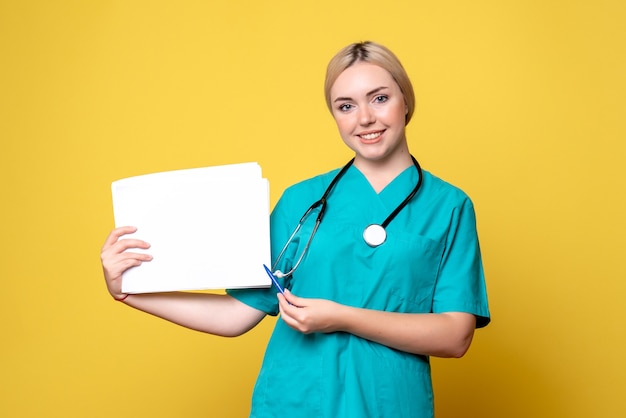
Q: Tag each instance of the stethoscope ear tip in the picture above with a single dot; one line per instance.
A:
(279, 274)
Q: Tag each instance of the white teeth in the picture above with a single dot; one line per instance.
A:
(370, 136)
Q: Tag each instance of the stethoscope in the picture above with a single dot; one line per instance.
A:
(374, 234)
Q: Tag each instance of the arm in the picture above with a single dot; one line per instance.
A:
(211, 313)
(441, 335)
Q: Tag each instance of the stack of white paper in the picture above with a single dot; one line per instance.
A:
(208, 228)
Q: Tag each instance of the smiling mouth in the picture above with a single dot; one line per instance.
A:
(371, 135)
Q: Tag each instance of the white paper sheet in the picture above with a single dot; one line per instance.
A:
(208, 228)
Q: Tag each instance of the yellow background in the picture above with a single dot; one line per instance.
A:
(520, 103)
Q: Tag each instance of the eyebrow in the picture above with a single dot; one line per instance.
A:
(370, 93)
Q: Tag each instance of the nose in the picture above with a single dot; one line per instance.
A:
(366, 116)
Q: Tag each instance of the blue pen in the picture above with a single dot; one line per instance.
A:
(269, 273)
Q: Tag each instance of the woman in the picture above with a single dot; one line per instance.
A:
(364, 307)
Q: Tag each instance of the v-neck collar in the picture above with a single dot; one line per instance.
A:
(395, 186)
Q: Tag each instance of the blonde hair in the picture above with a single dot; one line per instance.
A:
(372, 53)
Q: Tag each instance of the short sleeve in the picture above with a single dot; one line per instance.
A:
(460, 284)
(265, 299)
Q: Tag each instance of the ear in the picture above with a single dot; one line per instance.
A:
(406, 113)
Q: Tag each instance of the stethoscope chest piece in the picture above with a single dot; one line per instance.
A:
(374, 235)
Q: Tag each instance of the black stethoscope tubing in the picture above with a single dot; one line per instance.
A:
(406, 200)
(322, 202)
(376, 234)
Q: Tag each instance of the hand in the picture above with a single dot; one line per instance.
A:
(309, 315)
(116, 261)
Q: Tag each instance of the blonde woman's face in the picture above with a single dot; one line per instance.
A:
(369, 109)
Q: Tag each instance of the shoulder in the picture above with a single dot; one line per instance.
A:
(314, 186)
(440, 192)
(318, 181)
(299, 196)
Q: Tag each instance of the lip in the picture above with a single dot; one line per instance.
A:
(375, 136)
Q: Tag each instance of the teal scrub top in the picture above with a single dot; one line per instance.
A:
(430, 262)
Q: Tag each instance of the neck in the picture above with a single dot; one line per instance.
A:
(381, 172)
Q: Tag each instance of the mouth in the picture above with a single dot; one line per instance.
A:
(370, 136)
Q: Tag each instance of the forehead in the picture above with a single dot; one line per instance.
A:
(360, 79)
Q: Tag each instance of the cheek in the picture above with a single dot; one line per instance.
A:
(395, 115)
(343, 125)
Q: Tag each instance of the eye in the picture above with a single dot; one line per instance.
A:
(381, 98)
(345, 107)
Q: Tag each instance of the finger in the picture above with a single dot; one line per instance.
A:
(122, 245)
(115, 235)
(116, 253)
(284, 306)
(128, 243)
(129, 262)
(293, 299)
(115, 267)
(136, 256)
(282, 302)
